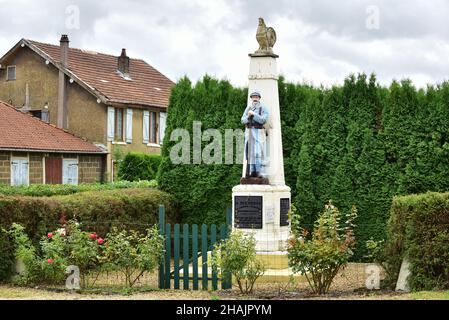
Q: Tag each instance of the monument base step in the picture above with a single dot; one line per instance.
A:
(274, 260)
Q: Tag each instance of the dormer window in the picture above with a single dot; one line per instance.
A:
(11, 73)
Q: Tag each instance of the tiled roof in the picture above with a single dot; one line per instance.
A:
(20, 131)
(148, 86)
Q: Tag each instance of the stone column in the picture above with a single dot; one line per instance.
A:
(262, 209)
(263, 77)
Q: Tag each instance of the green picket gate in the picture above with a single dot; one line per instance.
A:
(189, 243)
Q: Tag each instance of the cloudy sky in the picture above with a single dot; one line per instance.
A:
(319, 41)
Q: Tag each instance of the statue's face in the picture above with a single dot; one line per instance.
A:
(255, 98)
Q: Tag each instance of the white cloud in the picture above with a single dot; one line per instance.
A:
(319, 41)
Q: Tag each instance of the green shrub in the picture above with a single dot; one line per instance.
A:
(237, 255)
(133, 254)
(419, 231)
(321, 256)
(99, 211)
(26, 254)
(6, 256)
(139, 166)
(48, 190)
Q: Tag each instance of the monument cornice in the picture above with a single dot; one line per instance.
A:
(263, 76)
(263, 55)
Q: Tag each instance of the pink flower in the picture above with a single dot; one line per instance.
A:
(93, 235)
(100, 241)
(50, 235)
(50, 261)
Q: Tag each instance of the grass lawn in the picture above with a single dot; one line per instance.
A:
(348, 285)
(8, 292)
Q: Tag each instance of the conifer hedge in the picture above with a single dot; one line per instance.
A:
(357, 143)
(418, 230)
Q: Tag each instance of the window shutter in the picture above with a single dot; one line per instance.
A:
(146, 126)
(129, 125)
(162, 124)
(19, 172)
(24, 173)
(70, 171)
(111, 123)
(15, 174)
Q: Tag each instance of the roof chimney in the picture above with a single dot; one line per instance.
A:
(64, 45)
(123, 63)
(62, 113)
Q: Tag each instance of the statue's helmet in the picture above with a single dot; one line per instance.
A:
(255, 93)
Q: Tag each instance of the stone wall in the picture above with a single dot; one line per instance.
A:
(42, 82)
(36, 166)
(5, 169)
(90, 169)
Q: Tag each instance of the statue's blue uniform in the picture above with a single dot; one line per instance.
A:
(255, 135)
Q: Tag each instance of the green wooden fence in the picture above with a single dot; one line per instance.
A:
(190, 245)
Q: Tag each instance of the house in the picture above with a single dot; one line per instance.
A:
(114, 101)
(33, 151)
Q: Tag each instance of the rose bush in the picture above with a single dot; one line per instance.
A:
(70, 246)
(133, 254)
(128, 252)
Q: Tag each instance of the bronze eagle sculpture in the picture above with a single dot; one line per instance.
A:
(266, 37)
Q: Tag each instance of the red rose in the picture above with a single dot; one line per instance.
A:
(93, 235)
(100, 241)
(50, 235)
(50, 261)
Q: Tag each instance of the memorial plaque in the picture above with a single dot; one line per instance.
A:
(285, 207)
(248, 212)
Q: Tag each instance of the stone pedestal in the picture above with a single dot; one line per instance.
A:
(262, 209)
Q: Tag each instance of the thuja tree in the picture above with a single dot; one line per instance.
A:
(203, 191)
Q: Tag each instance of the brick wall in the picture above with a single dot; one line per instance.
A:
(36, 169)
(90, 169)
(5, 169)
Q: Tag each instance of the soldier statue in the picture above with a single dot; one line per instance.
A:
(254, 118)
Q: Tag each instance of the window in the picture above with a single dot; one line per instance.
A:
(19, 171)
(43, 114)
(118, 126)
(150, 127)
(11, 73)
(70, 171)
(36, 113)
